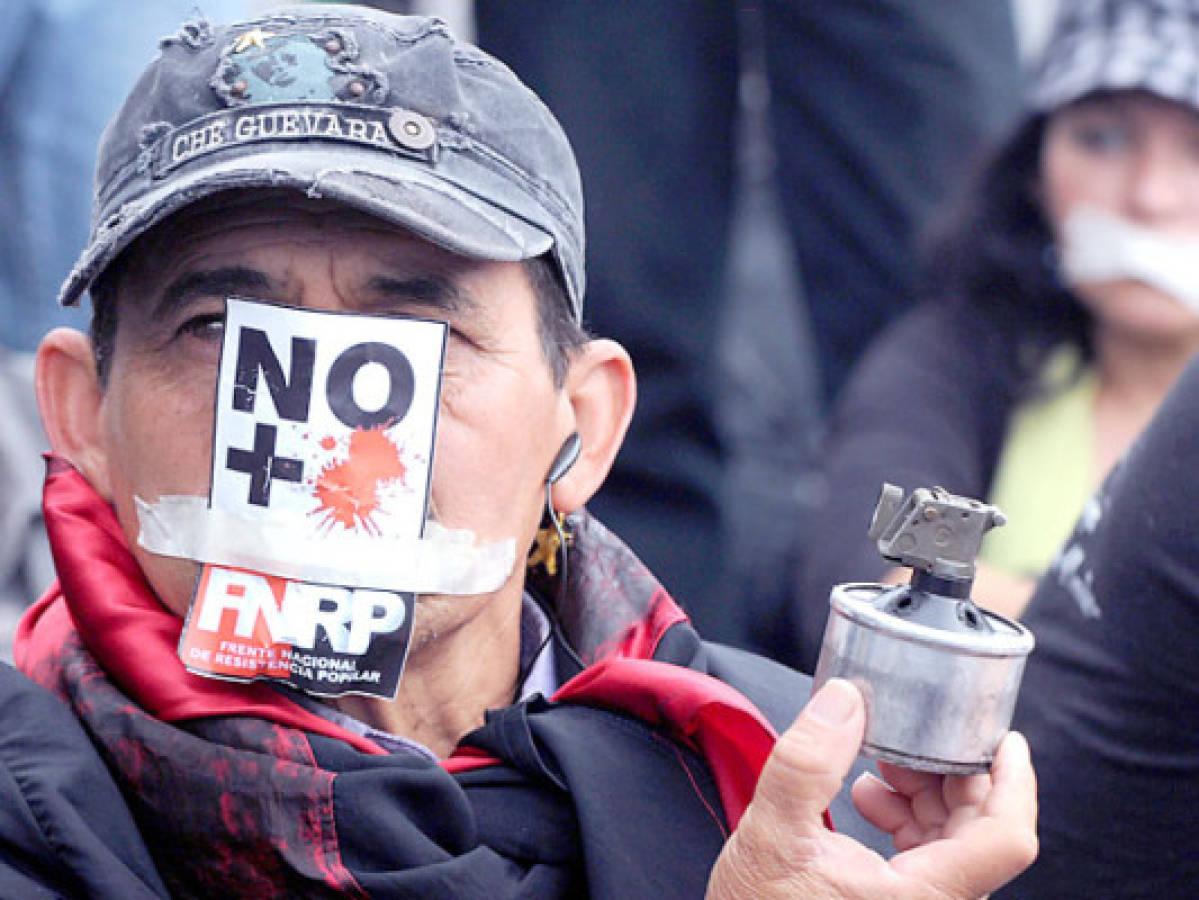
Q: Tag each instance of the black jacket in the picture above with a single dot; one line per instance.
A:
(64, 828)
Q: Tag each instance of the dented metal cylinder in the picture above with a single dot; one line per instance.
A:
(939, 697)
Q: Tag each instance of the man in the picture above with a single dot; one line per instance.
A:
(335, 363)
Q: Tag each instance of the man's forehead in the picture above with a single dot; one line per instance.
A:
(260, 244)
(234, 223)
(273, 207)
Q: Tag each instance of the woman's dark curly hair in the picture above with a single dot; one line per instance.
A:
(994, 254)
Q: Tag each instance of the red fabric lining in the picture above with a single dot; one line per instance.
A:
(695, 787)
(467, 759)
(125, 627)
(640, 640)
(135, 638)
(707, 714)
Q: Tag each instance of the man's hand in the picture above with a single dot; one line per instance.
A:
(958, 836)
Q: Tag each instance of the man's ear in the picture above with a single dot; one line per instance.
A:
(69, 397)
(602, 391)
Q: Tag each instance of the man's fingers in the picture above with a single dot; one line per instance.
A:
(892, 812)
(928, 807)
(1015, 783)
(986, 854)
(889, 811)
(812, 757)
(965, 796)
(989, 849)
(909, 781)
(967, 790)
(881, 806)
(781, 847)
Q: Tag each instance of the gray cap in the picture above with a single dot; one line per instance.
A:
(388, 114)
(1096, 45)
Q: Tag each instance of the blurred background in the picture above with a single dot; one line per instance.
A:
(721, 531)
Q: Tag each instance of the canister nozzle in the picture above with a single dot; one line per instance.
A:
(937, 535)
(932, 530)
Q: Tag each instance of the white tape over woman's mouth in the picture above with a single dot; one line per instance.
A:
(1098, 246)
(444, 561)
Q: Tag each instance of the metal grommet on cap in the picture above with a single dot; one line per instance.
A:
(239, 88)
(333, 46)
(356, 88)
(411, 130)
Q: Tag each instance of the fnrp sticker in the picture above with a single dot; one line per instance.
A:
(326, 421)
(319, 638)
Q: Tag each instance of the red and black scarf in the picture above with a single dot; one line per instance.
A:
(225, 774)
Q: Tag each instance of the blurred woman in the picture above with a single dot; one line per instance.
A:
(1065, 304)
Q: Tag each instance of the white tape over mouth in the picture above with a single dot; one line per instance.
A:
(444, 561)
(1101, 247)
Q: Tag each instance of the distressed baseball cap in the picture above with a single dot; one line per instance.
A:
(391, 115)
(1096, 45)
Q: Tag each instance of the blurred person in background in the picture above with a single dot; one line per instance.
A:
(1110, 700)
(1064, 307)
(874, 107)
(65, 66)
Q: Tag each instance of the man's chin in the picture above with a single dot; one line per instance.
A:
(439, 616)
(172, 580)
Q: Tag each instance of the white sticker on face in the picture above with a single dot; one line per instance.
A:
(324, 428)
(328, 418)
(1098, 246)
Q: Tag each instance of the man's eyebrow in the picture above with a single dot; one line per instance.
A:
(223, 282)
(435, 291)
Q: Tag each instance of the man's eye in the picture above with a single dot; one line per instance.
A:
(458, 336)
(207, 327)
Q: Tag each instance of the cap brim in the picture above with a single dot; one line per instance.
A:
(395, 189)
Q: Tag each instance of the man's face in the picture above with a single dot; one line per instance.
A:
(501, 419)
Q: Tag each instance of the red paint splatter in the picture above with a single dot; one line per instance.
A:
(328, 443)
(348, 491)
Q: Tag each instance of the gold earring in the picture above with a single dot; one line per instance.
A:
(548, 542)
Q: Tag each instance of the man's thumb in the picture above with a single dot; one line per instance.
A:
(812, 757)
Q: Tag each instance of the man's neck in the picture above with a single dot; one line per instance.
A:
(450, 678)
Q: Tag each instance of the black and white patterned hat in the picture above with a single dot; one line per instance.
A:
(1096, 45)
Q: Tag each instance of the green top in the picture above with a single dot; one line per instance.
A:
(1045, 473)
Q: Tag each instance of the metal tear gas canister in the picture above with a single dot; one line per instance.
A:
(940, 676)
(937, 700)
